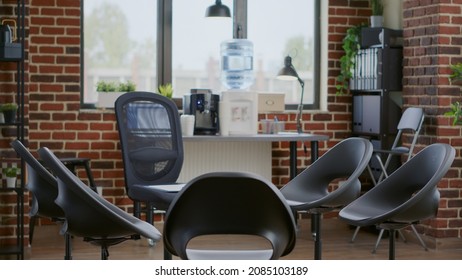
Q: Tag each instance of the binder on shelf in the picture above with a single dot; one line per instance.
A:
(377, 68)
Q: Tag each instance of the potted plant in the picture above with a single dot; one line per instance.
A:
(9, 111)
(455, 109)
(108, 92)
(347, 61)
(11, 174)
(166, 90)
(377, 13)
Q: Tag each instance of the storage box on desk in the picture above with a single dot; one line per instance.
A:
(10, 51)
(269, 102)
(241, 110)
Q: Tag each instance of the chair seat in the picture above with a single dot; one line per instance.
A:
(160, 195)
(195, 254)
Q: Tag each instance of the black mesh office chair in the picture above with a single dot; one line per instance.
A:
(152, 146)
(411, 122)
(44, 190)
(408, 196)
(152, 150)
(230, 204)
(311, 189)
(89, 215)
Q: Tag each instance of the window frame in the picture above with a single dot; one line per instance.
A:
(164, 43)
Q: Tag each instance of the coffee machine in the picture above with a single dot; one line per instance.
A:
(203, 104)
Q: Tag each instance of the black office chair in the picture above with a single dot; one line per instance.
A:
(152, 150)
(230, 204)
(411, 122)
(408, 196)
(89, 215)
(44, 190)
(312, 191)
(152, 147)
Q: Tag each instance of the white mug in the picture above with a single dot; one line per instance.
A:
(187, 125)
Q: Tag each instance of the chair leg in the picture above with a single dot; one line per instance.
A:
(31, 228)
(419, 238)
(104, 252)
(167, 255)
(402, 236)
(137, 209)
(391, 245)
(68, 247)
(354, 234)
(378, 241)
(316, 223)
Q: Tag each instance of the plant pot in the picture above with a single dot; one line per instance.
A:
(2, 119)
(9, 116)
(376, 21)
(107, 99)
(11, 182)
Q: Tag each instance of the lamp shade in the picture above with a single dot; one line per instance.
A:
(288, 71)
(218, 10)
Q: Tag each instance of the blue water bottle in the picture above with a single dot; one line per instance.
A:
(237, 63)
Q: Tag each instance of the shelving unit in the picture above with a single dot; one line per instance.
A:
(14, 53)
(376, 87)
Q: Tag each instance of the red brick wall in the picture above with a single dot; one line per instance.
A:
(433, 40)
(56, 120)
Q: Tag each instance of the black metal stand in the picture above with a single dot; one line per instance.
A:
(316, 231)
(391, 245)
(68, 250)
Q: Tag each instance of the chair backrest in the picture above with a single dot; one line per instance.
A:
(41, 183)
(346, 160)
(88, 214)
(229, 203)
(150, 138)
(411, 120)
(410, 193)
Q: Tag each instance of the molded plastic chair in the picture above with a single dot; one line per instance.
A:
(411, 121)
(89, 215)
(408, 196)
(229, 203)
(44, 189)
(309, 191)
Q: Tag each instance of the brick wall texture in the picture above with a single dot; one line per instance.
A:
(432, 40)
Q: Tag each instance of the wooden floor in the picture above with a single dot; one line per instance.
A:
(49, 245)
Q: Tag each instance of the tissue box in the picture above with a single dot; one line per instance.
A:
(271, 102)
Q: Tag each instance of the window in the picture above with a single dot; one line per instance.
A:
(196, 45)
(120, 44)
(284, 28)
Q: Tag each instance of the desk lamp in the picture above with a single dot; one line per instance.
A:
(288, 73)
(218, 10)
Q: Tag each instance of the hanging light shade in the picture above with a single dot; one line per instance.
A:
(218, 10)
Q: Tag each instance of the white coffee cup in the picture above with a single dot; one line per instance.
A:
(224, 117)
(187, 125)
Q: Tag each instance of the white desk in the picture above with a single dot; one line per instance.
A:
(251, 153)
